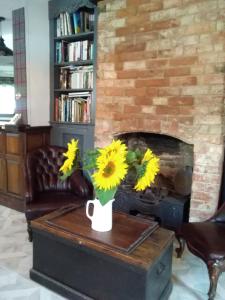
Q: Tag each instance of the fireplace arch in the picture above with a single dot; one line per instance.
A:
(174, 153)
(168, 199)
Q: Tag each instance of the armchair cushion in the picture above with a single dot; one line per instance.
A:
(205, 239)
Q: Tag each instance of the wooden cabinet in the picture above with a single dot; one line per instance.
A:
(14, 145)
(2, 174)
(72, 71)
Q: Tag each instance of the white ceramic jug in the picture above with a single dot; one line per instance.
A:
(101, 219)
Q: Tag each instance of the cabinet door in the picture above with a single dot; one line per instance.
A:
(15, 177)
(2, 142)
(14, 144)
(3, 175)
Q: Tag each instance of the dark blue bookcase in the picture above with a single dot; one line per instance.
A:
(65, 16)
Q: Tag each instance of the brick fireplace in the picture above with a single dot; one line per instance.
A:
(161, 67)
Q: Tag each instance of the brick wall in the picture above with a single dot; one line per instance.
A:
(161, 66)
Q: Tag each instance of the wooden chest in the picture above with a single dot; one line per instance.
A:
(80, 268)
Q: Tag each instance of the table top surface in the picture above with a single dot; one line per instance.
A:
(134, 240)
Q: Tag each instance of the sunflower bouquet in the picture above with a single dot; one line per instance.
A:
(108, 167)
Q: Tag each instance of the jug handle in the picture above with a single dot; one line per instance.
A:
(87, 208)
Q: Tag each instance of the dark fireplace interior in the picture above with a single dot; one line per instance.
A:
(168, 199)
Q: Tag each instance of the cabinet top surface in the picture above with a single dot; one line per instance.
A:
(61, 224)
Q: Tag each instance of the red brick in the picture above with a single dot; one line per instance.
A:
(150, 6)
(185, 120)
(127, 74)
(157, 63)
(113, 107)
(167, 110)
(143, 28)
(104, 115)
(152, 82)
(143, 101)
(201, 196)
(124, 31)
(127, 56)
(186, 110)
(131, 108)
(149, 54)
(186, 60)
(104, 83)
(135, 20)
(129, 47)
(110, 58)
(151, 125)
(118, 66)
(126, 12)
(172, 3)
(120, 116)
(214, 79)
(100, 91)
(165, 24)
(137, 2)
(136, 55)
(114, 92)
(169, 91)
(182, 71)
(135, 92)
(182, 100)
(189, 80)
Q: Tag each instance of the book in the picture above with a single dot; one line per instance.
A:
(76, 22)
(68, 22)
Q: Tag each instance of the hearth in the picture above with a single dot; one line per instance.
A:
(168, 199)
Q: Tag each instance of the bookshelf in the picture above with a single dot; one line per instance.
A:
(72, 71)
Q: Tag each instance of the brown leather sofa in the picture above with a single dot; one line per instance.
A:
(207, 241)
(45, 192)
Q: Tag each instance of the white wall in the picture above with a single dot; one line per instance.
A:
(37, 54)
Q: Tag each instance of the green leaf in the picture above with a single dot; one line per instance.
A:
(141, 169)
(139, 155)
(105, 196)
(64, 176)
(131, 157)
(90, 159)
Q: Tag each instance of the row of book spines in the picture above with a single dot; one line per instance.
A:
(75, 80)
(74, 51)
(69, 24)
(76, 110)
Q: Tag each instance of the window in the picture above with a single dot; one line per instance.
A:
(7, 99)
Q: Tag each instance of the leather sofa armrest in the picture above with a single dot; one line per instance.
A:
(28, 183)
(80, 185)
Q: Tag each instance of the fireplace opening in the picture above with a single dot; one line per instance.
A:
(168, 199)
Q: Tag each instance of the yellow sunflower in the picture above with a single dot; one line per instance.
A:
(111, 170)
(116, 147)
(71, 156)
(151, 163)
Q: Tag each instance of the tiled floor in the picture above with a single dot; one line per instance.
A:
(190, 277)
